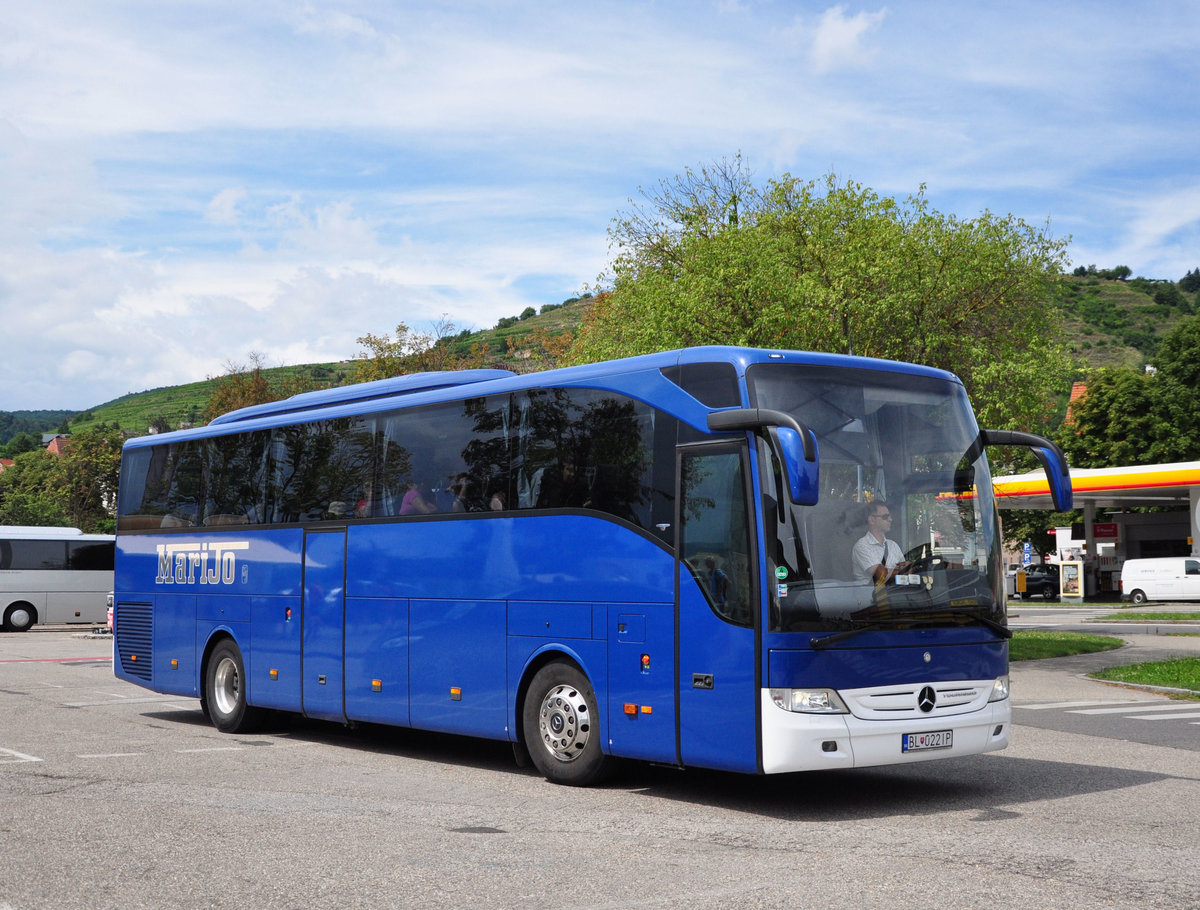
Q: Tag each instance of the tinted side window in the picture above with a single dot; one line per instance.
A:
(235, 479)
(91, 557)
(716, 536)
(457, 456)
(588, 449)
(320, 470)
(33, 554)
(544, 449)
(713, 384)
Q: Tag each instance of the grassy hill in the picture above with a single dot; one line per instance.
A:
(1108, 322)
(1119, 323)
(184, 404)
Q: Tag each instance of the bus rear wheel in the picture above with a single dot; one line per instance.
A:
(19, 617)
(560, 721)
(225, 691)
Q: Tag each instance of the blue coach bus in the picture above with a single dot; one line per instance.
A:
(650, 559)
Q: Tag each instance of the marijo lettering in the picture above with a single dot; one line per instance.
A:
(203, 563)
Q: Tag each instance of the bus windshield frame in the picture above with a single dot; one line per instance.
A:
(893, 442)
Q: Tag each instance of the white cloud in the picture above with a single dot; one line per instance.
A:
(223, 209)
(183, 183)
(838, 38)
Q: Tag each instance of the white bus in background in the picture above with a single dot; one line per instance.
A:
(53, 575)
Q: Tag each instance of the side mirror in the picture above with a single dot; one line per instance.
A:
(802, 474)
(795, 444)
(1052, 458)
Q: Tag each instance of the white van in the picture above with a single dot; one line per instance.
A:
(1167, 578)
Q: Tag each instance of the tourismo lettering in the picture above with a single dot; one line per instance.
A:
(203, 563)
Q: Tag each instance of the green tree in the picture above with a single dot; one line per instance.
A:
(1033, 525)
(710, 258)
(89, 470)
(407, 351)
(32, 493)
(78, 489)
(1132, 417)
(21, 443)
(244, 385)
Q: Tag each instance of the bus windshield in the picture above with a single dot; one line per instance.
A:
(904, 533)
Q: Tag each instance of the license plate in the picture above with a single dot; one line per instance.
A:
(917, 742)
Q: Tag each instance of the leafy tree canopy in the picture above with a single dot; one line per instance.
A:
(244, 385)
(709, 257)
(408, 351)
(77, 489)
(1128, 417)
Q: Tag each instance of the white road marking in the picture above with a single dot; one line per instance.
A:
(16, 757)
(1139, 706)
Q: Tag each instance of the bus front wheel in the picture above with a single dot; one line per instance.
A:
(19, 617)
(225, 691)
(560, 721)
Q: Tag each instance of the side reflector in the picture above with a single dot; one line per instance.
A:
(174, 664)
(631, 710)
(646, 709)
(455, 693)
(274, 674)
(377, 685)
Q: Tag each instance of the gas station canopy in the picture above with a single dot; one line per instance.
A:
(1106, 488)
(1115, 488)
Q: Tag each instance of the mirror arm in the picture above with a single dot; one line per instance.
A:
(1043, 448)
(758, 418)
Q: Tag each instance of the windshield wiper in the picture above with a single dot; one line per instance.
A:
(826, 640)
(1002, 631)
(818, 643)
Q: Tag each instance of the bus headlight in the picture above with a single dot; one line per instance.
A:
(999, 689)
(809, 701)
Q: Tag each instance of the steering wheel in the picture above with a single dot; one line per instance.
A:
(921, 558)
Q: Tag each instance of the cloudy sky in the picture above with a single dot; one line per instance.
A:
(182, 183)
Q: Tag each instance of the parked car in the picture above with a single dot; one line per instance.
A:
(1043, 580)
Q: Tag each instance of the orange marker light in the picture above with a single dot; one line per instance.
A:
(274, 674)
(646, 709)
(631, 710)
(377, 685)
(174, 664)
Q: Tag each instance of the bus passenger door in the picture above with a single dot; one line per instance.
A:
(716, 609)
(323, 616)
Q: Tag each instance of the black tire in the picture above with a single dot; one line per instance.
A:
(1138, 597)
(225, 691)
(19, 617)
(561, 723)
(1047, 592)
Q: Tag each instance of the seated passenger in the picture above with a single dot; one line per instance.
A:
(418, 500)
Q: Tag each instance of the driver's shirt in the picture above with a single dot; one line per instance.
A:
(869, 553)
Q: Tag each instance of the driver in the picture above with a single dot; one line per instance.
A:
(877, 558)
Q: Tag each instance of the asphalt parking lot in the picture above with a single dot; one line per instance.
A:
(113, 796)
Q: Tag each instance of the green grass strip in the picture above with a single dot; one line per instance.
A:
(1037, 644)
(1179, 673)
(1148, 617)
